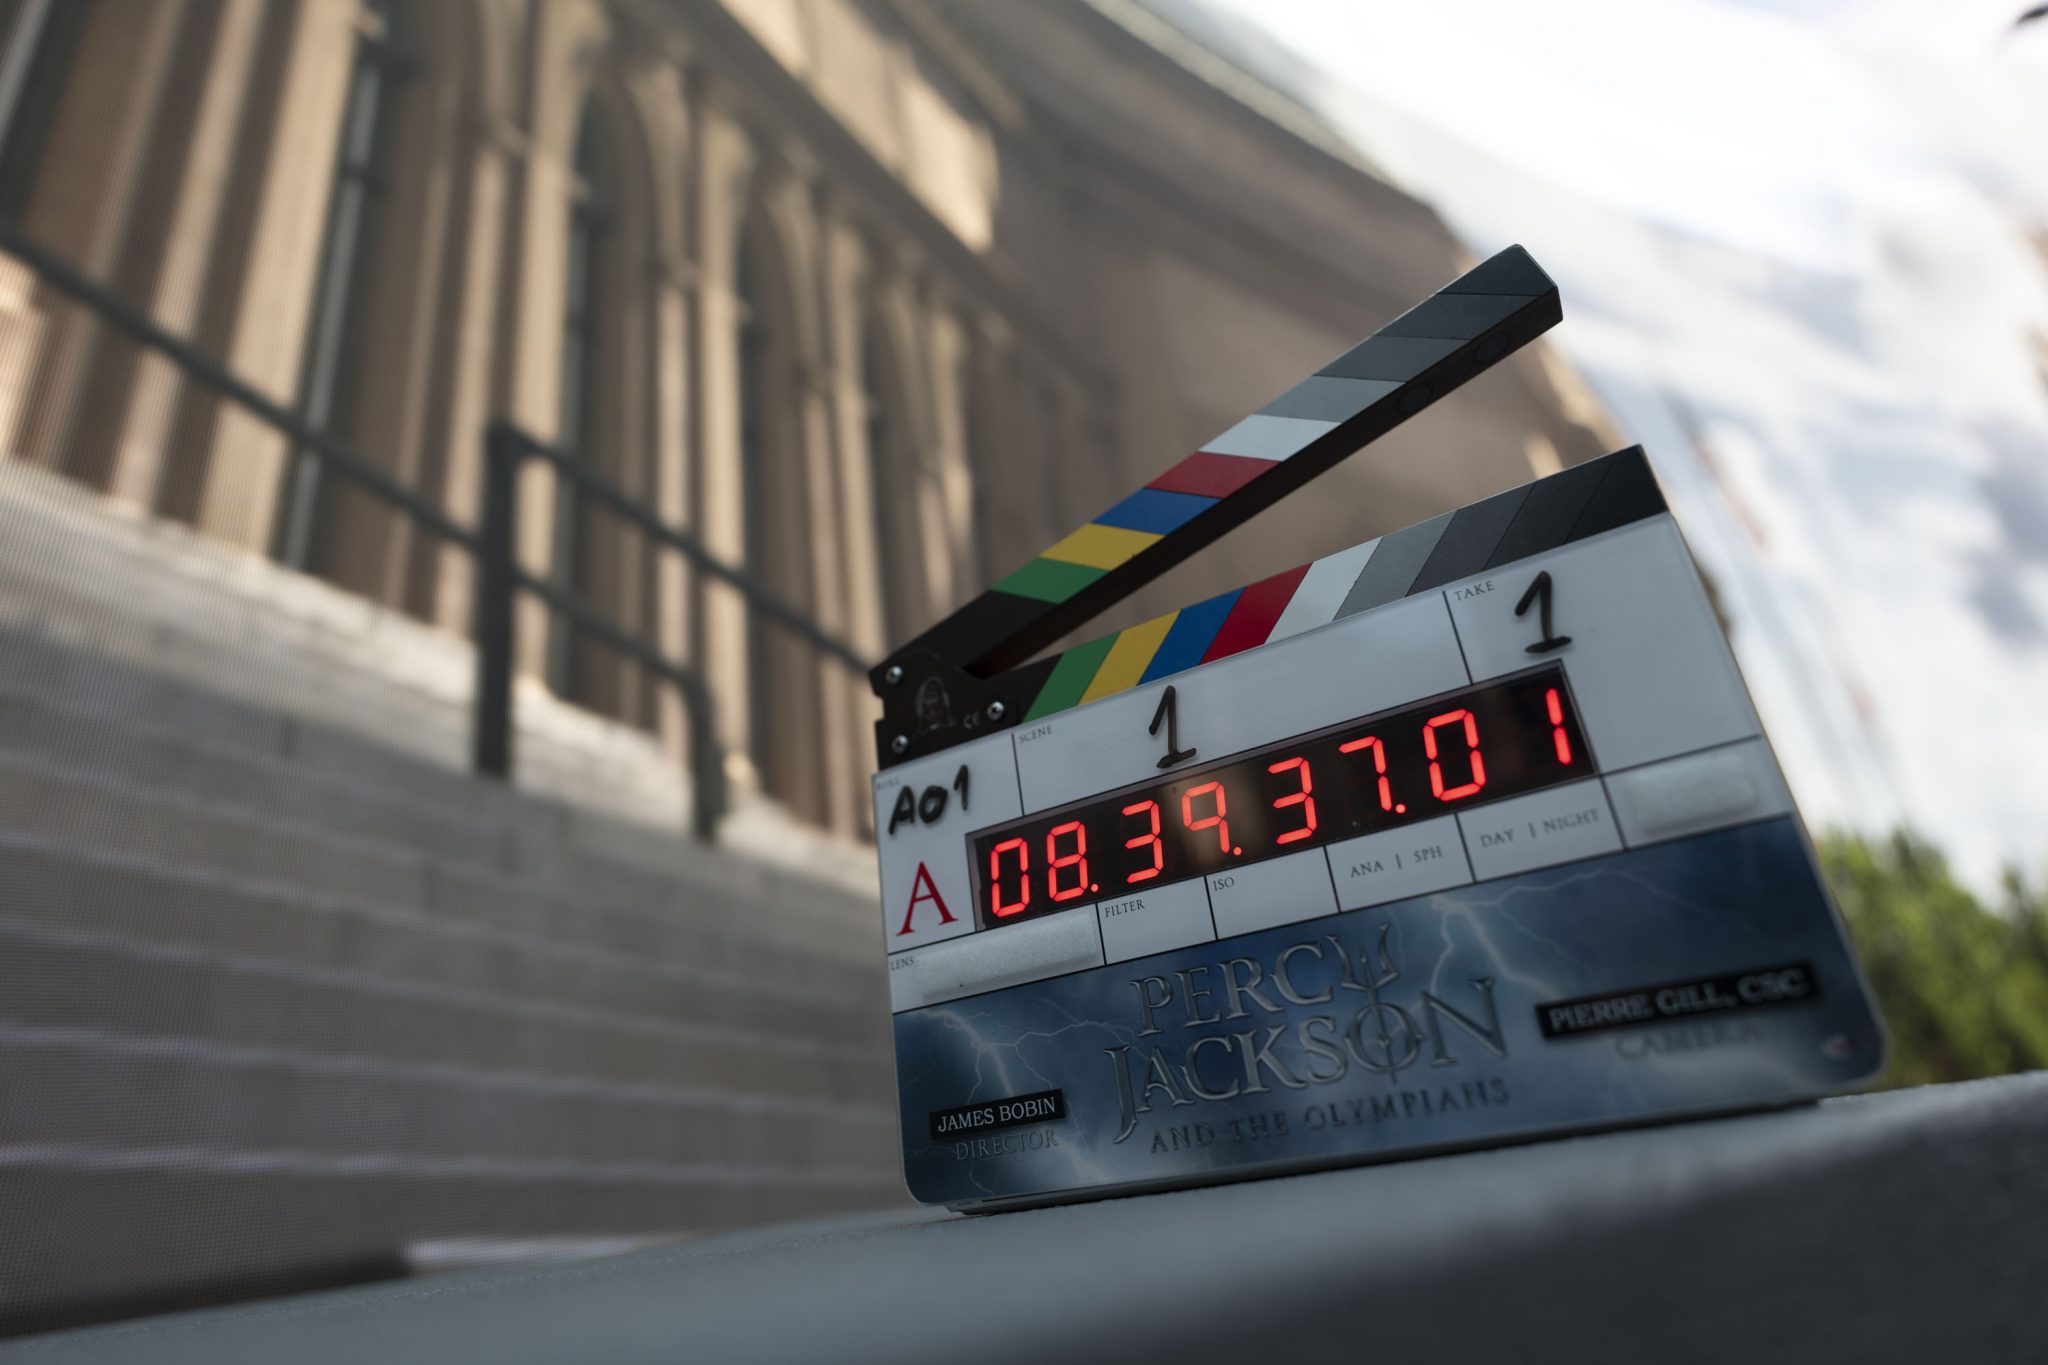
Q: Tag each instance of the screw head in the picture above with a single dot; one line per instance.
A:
(894, 675)
(899, 744)
(996, 710)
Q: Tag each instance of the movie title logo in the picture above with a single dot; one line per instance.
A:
(1367, 1029)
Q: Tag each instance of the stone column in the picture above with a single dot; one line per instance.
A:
(843, 284)
(910, 518)
(526, 385)
(840, 735)
(468, 354)
(123, 414)
(225, 464)
(666, 581)
(1005, 532)
(722, 167)
(953, 576)
(94, 157)
(800, 739)
(669, 420)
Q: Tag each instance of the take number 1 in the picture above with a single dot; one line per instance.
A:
(1168, 715)
(1539, 593)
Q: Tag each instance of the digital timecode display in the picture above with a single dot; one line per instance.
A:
(1461, 749)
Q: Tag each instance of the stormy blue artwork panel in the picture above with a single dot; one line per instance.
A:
(1701, 975)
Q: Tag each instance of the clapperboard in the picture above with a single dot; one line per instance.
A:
(1463, 835)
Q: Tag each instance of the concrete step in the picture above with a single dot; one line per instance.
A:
(62, 804)
(57, 805)
(170, 760)
(133, 900)
(80, 669)
(62, 979)
(171, 1225)
(564, 845)
(801, 943)
(390, 683)
(90, 1091)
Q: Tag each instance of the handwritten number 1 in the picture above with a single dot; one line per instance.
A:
(1539, 593)
(1169, 715)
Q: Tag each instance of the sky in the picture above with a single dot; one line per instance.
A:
(1803, 251)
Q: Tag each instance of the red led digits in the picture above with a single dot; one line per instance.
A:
(1213, 821)
(1555, 705)
(1379, 764)
(996, 905)
(1371, 767)
(1302, 798)
(1057, 862)
(1436, 769)
(1146, 874)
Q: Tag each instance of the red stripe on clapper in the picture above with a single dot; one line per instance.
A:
(1251, 620)
(1210, 475)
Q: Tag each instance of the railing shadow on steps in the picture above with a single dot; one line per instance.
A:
(492, 543)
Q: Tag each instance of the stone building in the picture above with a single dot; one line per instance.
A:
(875, 298)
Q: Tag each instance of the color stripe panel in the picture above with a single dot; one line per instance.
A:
(1268, 438)
(1188, 639)
(1048, 580)
(1251, 618)
(1210, 475)
(1128, 657)
(1322, 591)
(1156, 510)
(1070, 678)
(1100, 547)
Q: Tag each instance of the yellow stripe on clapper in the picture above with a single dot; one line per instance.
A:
(1099, 547)
(1127, 658)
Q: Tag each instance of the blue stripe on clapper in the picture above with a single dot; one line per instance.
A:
(1149, 509)
(1192, 632)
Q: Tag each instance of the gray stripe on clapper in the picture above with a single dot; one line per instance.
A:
(1464, 549)
(1393, 566)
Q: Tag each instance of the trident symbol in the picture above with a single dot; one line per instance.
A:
(1389, 1057)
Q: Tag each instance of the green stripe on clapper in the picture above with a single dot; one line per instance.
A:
(1049, 580)
(1070, 678)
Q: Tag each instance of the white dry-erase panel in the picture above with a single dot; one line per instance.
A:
(1648, 664)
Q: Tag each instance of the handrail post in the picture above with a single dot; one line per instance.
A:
(707, 760)
(491, 715)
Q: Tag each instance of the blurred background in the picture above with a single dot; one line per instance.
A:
(456, 457)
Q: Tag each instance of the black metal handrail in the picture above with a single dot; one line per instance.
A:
(500, 578)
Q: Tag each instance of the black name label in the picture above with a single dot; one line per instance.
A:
(1784, 985)
(1043, 1106)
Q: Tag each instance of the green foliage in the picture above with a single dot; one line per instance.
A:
(1963, 986)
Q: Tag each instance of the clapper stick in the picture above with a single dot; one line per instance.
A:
(950, 683)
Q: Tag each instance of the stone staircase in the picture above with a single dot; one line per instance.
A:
(283, 987)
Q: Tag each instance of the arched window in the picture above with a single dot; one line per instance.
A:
(334, 335)
(41, 37)
(585, 294)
